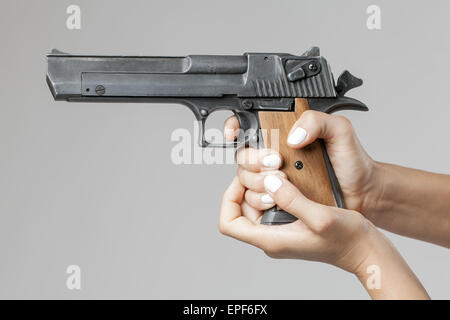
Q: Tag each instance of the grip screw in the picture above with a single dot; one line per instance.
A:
(100, 90)
(298, 165)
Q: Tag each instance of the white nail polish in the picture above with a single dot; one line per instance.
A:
(265, 198)
(297, 136)
(272, 161)
(272, 183)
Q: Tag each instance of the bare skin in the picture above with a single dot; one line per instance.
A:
(405, 201)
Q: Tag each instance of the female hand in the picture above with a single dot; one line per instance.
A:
(321, 233)
(406, 201)
(356, 171)
(340, 237)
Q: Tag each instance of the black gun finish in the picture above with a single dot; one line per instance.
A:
(245, 84)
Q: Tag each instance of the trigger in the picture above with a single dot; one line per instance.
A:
(249, 125)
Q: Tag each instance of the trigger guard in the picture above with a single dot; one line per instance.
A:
(249, 134)
(203, 107)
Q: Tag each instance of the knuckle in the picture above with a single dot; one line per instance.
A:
(223, 229)
(223, 226)
(281, 174)
(252, 157)
(240, 172)
(272, 249)
(310, 116)
(224, 198)
(258, 183)
(251, 198)
(238, 156)
(289, 201)
(246, 157)
(324, 223)
(343, 120)
(344, 124)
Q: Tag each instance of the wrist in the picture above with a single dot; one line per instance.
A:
(385, 274)
(374, 199)
(362, 247)
(378, 249)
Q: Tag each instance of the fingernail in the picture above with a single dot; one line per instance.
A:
(272, 161)
(272, 183)
(297, 136)
(265, 198)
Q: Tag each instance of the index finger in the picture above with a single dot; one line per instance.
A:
(231, 128)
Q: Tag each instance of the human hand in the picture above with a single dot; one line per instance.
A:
(337, 236)
(357, 173)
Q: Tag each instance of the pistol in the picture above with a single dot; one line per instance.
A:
(263, 90)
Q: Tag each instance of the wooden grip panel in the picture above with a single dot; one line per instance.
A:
(312, 179)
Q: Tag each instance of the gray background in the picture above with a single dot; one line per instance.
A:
(93, 184)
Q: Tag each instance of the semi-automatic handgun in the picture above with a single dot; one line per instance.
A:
(264, 91)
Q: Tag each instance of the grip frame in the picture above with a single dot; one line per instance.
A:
(308, 168)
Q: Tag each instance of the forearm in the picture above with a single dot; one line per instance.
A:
(386, 275)
(413, 203)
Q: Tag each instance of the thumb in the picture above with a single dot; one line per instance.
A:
(290, 199)
(314, 124)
